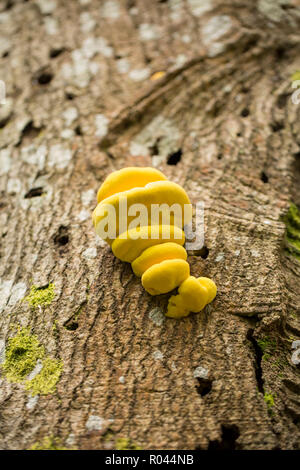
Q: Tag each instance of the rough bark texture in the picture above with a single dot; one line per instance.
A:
(83, 101)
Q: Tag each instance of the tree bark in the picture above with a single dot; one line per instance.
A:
(84, 99)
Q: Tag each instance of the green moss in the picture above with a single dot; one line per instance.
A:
(269, 399)
(267, 346)
(48, 443)
(41, 295)
(21, 355)
(123, 443)
(45, 382)
(292, 235)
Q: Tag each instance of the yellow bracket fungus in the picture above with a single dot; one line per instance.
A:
(153, 242)
(193, 295)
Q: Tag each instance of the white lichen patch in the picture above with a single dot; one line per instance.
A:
(92, 46)
(213, 30)
(100, 242)
(137, 149)
(71, 440)
(70, 115)
(51, 25)
(46, 6)
(32, 401)
(200, 373)
(157, 316)
(255, 253)
(81, 70)
(176, 8)
(161, 133)
(148, 32)
(17, 293)
(13, 186)
(138, 75)
(59, 157)
(220, 257)
(94, 423)
(5, 289)
(199, 7)
(158, 355)
(90, 253)
(87, 22)
(6, 109)
(5, 161)
(101, 124)
(111, 10)
(123, 66)
(83, 215)
(87, 197)
(67, 134)
(272, 9)
(2, 351)
(34, 155)
(186, 38)
(180, 60)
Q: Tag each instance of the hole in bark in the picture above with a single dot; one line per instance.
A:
(78, 130)
(238, 134)
(154, 150)
(220, 156)
(230, 434)
(203, 252)
(6, 54)
(297, 155)
(204, 386)
(277, 126)
(174, 158)
(61, 238)
(258, 354)
(264, 177)
(30, 132)
(9, 5)
(34, 192)
(69, 96)
(280, 52)
(4, 121)
(71, 325)
(45, 77)
(282, 99)
(250, 44)
(245, 112)
(55, 52)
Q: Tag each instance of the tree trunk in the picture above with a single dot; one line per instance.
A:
(84, 98)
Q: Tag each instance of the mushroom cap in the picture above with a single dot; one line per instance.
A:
(128, 178)
(156, 254)
(165, 276)
(127, 247)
